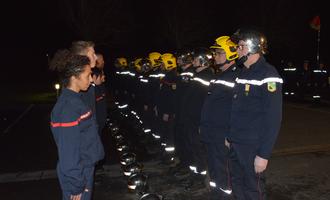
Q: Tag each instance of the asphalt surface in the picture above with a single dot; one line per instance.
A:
(299, 168)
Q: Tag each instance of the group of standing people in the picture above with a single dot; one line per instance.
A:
(220, 110)
(78, 118)
(232, 106)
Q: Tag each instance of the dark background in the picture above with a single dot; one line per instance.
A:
(31, 30)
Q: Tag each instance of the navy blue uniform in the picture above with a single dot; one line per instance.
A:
(305, 83)
(291, 80)
(88, 97)
(145, 98)
(154, 79)
(255, 122)
(320, 83)
(78, 143)
(215, 127)
(167, 105)
(182, 145)
(197, 94)
(101, 106)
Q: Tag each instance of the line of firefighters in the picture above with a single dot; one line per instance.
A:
(198, 97)
(306, 82)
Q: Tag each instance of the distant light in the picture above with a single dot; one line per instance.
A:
(57, 86)
(262, 40)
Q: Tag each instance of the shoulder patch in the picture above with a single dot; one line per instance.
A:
(271, 86)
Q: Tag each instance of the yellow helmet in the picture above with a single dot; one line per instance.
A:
(169, 61)
(122, 62)
(137, 64)
(155, 59)
(227, 45)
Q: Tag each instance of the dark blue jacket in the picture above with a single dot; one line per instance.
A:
(76, 136)
(257, 107)
(154, 79)
(101, 105)
(183, 89)
(215, 115)
(88, 97)
(167, 93)
(198, 90)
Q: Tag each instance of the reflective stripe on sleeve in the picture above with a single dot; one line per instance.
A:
(259, 82)
(70, 124)
(204, 82)
(223, 82)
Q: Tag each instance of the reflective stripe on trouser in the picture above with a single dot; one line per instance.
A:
(246, 184)
(218, 165)
(89, 181)
(198, 149)
(167, 131)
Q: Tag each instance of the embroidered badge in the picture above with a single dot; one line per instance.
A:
(247, 89)
(173, 86)
(271, 86)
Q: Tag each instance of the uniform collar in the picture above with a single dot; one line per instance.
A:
(257, 65)
(71, 93)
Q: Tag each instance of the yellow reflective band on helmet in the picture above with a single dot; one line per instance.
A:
(137, 64)
(155, 59)
(122, 62)
(227, 45)
(169, 61)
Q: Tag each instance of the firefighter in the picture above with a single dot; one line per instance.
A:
(86, 48)
(154, 78)
(75, 131)
(182, 145)
(291, 79)
(167, 106)
(215, 117)
(144, 91)
(256, 115)
(100, 98)
(305, 80)
(198, 90)
(320, 81)
(117, 83)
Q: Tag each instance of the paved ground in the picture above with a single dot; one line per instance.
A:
(297, 177)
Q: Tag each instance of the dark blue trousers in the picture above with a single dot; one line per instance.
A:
(247, 185)
(218, 165)
(89, 182)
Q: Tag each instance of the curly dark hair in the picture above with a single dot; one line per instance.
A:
(58, 61)
(74, 66)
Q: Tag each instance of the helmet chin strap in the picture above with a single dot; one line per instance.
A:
(242, 60)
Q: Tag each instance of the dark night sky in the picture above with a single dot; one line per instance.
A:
(123, 27)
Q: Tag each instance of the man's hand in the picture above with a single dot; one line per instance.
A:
(75, 197)
(227, 143)
(165, 117)
(260, 164)
(145, 107)
(156, 111)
